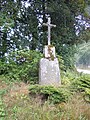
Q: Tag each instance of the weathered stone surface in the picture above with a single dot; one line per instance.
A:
(49, 51)
(49, 72)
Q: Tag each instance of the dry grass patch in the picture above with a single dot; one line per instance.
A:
(3, 85)
(27, 108)
(21, 106)
(15, 91)
(77, 108)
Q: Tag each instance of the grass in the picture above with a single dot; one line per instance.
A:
(17, 104)
(26, 108)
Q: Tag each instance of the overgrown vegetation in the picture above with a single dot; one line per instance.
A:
(24, 106)
(2, 110)
(82, 84)
(22, 65)
(71, 100)
(20, 28)
(53, 94)
(41, 102)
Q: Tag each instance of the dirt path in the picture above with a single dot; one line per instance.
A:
(83, 71)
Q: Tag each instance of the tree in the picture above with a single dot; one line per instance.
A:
(63, 14)
(6, 25)
(83, 55)
(27, 30)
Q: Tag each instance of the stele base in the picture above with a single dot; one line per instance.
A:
(49, 72)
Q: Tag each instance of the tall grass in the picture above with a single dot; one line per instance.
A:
(27, 108)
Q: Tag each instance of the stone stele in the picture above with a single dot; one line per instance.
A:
(49, 72)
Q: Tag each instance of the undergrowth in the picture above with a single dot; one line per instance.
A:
(2, 110)
(28, 108)
(70, 101)
(53, 94)
(22, 65)
(48, 102)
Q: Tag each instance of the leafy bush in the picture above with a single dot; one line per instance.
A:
(53, 94)
(82, 84)
(87, 94)
(68, 76)
(61, 63)
(23, 65)
(3, 68)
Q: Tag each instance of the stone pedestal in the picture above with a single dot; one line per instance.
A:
(49, 72)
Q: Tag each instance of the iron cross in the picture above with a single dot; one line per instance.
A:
(49, 29)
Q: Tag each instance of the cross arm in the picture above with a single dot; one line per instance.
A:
(51, 25)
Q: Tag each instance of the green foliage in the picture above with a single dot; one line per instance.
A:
(68, 77)
(6, 22)
(2, 92)
(3, 68)
(87, 90)
(85, 85)
(2, 110)
(85, 82)
(87, 94)
(68, 56)
(82, 84)
(23, 65)
(83, 55)
(49, 102)
(53, 94)
(26, 67)
(77, 83)
(32, 109)
(21, 25)
(61, 63)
